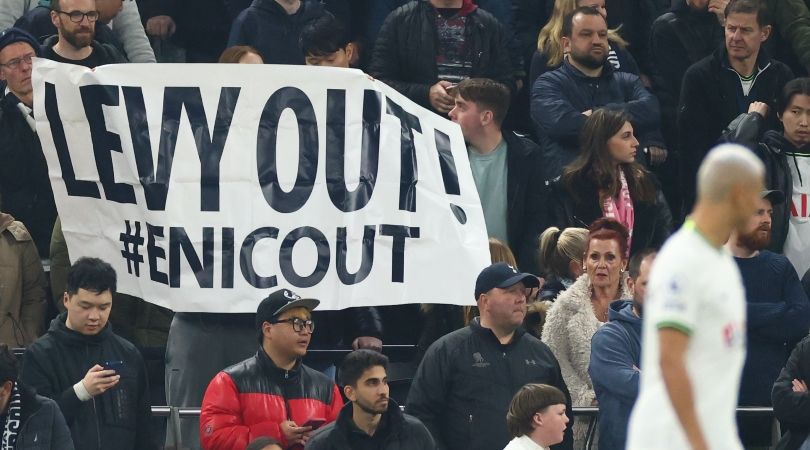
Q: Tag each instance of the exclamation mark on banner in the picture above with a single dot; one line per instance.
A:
(449, 174)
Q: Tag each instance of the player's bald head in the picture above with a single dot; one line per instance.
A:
(726, 167)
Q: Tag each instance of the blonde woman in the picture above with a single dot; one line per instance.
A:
(550, 54)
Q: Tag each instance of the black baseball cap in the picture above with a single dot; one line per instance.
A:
(280, 301)
(12, 35)
(502, 275)
(775, 196)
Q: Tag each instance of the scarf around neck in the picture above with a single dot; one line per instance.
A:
(621, 208)
(12, 426)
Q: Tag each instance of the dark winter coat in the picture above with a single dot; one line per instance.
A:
(561, 96)
(622, 61)
(405, 52)
(105, 53)
(42, 425)
(119, 418)
(653, 221)
(793, 408)
(464, 385)
(396, 431)
(711, 97)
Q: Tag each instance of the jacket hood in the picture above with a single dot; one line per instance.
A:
(5, 221)
(391, 420)
(622, 311)
(467, 6)
(61, 332)
(778, 143)
(272, 7)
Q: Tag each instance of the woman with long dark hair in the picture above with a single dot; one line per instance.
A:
(607, 181)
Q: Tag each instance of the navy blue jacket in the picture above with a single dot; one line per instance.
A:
(267, 27)
(615, 357)
(559, 98)
(778, 316)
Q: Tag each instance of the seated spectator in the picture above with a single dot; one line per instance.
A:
(606, 181)
(273, 27)
(550, 53)
(264, 443)
(25, 189)
(426, 47)
(536, 418)
(29, 421)
(787, 161)
(778, 314)
(326, 42)
(97, 378)
(126, 29)
(22, 285)
(272, 393)
(462, 389)
(563, 99)
(183, 31)
(580, 310)
(561, 254)
(371, 419)
(504, 165)
(616, 357)
(723, 85)
(75, 43)
(791, 399)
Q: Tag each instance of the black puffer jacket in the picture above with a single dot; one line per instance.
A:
(793, 408)
(405, 53)
(464, 385)
(42, 425)
(119, 418)
(25, 189)
(396, 431)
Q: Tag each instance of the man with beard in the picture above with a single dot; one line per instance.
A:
(371, 420)
(616, 356)
(778, 313)
(563, 98)
(75, 22)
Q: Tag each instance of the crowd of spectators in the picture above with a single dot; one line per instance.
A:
(584, 131)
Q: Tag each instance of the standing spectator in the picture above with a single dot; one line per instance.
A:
(272, 393)
(694, 317)
(561, 253)
(463, 386)
(580, 310)
(549, 54)
(778, 314)
(606, 181)
(371, 419)
(274, 28)
(25, 189)
(427, 46)
(75, 43)
(126, 29)
(22, 285)
(791, 399)
(29, 421)
(536, 418)
(504, 165)
(563, 99)
(721, 86)
(616, 357)
(787, 163)
(97, 378)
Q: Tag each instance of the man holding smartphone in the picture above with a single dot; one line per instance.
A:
(97, 378)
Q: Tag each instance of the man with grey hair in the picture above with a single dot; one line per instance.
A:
(694, 316)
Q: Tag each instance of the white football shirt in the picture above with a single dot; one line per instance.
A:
(696, 288)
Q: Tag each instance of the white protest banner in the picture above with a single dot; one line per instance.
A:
(208, 186)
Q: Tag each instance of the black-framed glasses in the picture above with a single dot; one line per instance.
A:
(298, 324)
(13, 64)
(78, 16)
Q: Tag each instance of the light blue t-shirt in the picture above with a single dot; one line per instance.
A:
(489, 172)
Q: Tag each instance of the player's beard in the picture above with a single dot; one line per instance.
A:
(755, 240)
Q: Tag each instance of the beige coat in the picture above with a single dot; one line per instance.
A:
(22, 285)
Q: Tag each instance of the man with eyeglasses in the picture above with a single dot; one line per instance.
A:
(25, 190)
(272, 393)
(75, 22)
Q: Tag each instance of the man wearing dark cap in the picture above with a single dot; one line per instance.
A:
(778, 313)
(25, 190)
(466, 380)
(272, 393)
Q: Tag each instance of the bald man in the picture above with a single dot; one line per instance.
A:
(694, 316)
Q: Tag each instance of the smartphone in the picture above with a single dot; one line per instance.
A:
(314, 422)
(113, 365)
